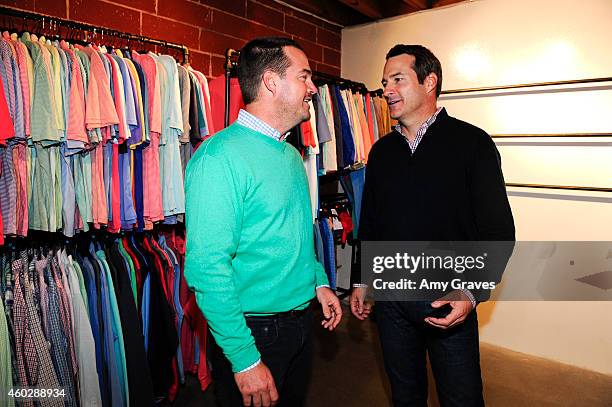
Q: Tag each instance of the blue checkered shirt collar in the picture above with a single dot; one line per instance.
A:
(421, 132)
(252, 122)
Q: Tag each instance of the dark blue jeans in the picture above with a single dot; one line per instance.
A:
(453, 354)
(285, 344)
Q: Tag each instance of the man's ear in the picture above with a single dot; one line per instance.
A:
(431, 82)
(270, 81)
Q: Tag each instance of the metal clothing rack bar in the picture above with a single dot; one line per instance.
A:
(7, 11)
(526, 85)
(231, 63)
(322, 76)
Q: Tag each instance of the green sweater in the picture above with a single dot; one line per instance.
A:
(250, 245)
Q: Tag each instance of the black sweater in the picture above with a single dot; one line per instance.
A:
(451, 189)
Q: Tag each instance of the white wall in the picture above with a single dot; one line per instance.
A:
(501, 42)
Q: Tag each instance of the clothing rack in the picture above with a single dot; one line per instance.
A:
(323, 77)
(334, 175)
(90, 31)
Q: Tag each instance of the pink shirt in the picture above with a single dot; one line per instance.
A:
(99, 107)
(207, 110)
(153, 210)
(148, 65)
(75, 128)
(22, 62)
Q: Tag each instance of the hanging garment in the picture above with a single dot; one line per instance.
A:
(6, 368)
(88, 382)
(140, 388)
(329, 252)
(217, 97)
(35, 368)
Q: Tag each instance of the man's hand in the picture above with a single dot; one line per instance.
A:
(359, 307)
(461, 306)
(257, 387)
(332, 311)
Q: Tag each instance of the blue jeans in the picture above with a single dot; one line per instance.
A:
(285, 344)
(453, 354)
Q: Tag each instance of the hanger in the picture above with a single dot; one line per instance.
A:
(54, 31)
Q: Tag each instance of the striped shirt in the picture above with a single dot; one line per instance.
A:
(421, 132)
(247, 120)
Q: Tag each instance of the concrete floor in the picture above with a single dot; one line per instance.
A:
(348, 372)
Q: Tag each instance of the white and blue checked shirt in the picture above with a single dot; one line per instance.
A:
(249, 121)
(421, 132)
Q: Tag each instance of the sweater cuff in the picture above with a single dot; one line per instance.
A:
(250, 367)
(247, 359)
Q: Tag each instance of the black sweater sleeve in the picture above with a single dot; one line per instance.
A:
(491, 211)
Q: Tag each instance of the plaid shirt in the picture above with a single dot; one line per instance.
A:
(60, 333)
(25, 350)
(421, 132)
(46, 376)
(249, 121)
(34, 364)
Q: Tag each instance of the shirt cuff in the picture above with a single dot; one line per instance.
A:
(470, 296)
(322, 285)
(250, 367)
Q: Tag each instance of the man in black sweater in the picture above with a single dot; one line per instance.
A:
(434, 178)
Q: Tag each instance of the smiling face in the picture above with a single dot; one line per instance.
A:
(295, 88)
(404, 94)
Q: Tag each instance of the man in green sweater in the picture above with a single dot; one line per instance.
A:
(250, 249)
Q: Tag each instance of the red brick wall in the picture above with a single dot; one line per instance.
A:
(207, 27)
